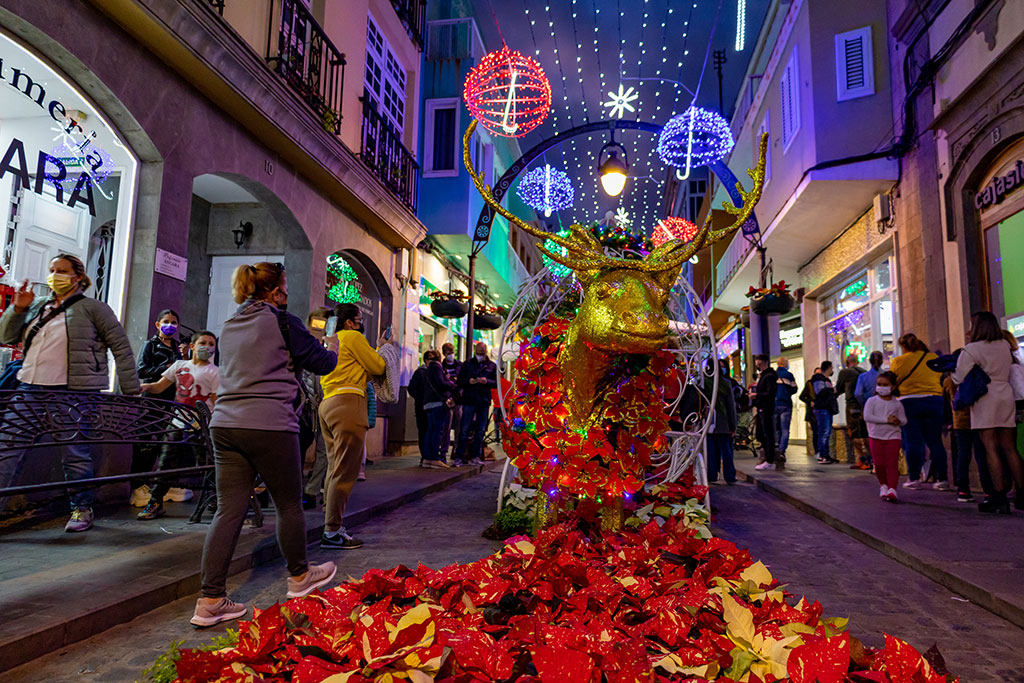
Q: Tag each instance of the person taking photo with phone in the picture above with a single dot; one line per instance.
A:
(344, 420)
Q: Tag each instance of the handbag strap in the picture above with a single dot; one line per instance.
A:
(46, 317)
(916, 365)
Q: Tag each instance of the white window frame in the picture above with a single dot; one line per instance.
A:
(388, 60)
(789, 96)
(428, 138)
(842, 91)
(765, 127)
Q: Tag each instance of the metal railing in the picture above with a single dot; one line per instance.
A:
(413, 15)
(383, 151)
(218, 5)
(308, 61)
(730, 262)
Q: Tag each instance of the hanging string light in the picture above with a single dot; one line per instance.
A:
(546, 189)
(697, 137)
(741, 24)
(508, 93)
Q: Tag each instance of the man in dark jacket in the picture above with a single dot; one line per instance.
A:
(784, 405)
(451, 367)
(856, 429)
(479, 375)
(823, 401)
(764, 401)
(416, 388)
(720, 452)
(437, 401)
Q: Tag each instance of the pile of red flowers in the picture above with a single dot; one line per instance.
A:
(780, 289)
(608, 459)
(574, 604)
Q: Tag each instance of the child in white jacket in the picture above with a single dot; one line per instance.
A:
(885, 416)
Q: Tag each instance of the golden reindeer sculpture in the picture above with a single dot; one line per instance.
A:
(624, 300)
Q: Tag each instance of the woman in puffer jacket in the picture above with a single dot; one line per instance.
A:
(65, 340)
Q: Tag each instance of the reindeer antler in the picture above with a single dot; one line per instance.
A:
(584, 252)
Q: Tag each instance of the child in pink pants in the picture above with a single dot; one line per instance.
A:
(885, 416)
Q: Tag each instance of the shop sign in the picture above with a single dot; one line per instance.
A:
(170, 264)
(791, 338)
(74, 146)
(1001, 185)
(1016, 325)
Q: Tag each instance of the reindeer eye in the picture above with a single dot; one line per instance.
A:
(604, 290)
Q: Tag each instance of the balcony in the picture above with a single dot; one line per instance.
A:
(413, 15)
(382, 150)
(309, 62)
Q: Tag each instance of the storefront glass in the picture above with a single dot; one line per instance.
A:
(860, 316)
(66, 177)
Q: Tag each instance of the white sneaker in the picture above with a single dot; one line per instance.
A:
(891, 496)
(883, 490)
(476, 462)
(765, 466)
(317, 575)
(178, 495)
(140, 497)
(942, 486)
(912, 484)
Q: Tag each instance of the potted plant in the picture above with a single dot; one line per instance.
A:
(487, 317)
(773, 300)
(449, 304)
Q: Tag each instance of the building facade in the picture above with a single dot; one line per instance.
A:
(168, 141)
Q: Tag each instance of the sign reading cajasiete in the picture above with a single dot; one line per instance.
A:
(1001, 185)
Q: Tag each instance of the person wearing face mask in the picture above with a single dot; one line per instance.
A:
(884, 416)
(255, 429)
(452, 367)
(478, 376)
(194, 381)
(157, 354)
(344, 420)
(65, 339)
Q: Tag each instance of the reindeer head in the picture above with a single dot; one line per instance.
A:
(623, 309)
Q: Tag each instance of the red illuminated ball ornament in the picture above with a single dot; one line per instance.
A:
(673, 228)
(508, 93)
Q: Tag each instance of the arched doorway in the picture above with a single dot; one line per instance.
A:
(361, 283)
(223, 206)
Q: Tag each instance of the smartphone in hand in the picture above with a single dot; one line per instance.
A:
(387, 333)
(331, 327)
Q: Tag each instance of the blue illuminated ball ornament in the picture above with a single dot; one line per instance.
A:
(546, 189)
(712, 139)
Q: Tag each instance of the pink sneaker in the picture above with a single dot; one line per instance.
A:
(223, 610)
(317, 575)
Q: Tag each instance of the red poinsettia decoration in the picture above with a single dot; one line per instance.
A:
(780, 289)
(609, 459)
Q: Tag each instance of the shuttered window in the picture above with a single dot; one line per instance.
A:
(765, 128)
(855, 73)
(789, 96)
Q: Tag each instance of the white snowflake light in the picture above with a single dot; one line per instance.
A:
(622, 218)
(620, 101)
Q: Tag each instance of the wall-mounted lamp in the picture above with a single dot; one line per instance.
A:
(242, 233)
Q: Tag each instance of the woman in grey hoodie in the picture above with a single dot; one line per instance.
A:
(255, 430)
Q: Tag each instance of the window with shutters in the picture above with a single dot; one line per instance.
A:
(441, 141)
(694, 198)
(789, 99)
(765, 128)
(384, 77)
(855, 73)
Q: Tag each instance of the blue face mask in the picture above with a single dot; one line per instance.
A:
(203, 352)
(168, 329)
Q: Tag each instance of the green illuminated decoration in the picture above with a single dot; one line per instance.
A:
(856, 289)
(341, 281)
(557, 269)
(857, 349)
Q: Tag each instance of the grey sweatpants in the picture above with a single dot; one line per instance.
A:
(239, 455)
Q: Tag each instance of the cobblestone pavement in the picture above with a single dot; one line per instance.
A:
(878, 594)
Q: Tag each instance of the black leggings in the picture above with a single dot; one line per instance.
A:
(239, 455)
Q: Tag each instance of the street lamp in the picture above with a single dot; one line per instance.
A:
(614, 170)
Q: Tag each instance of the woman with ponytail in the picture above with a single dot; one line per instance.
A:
(255, 430)
(65, 339)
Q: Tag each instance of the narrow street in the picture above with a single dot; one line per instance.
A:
(878, 594)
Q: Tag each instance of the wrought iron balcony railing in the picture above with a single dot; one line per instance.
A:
(413, 15)
(218, 5)
(308, 61)
(384, 153)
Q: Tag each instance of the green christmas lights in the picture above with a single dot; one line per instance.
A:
(343, 290)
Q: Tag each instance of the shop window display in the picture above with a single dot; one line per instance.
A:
(860, 315)
(66, 177)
